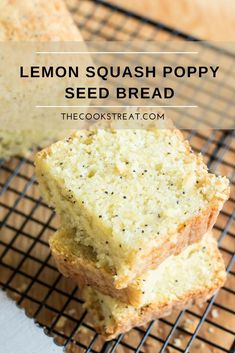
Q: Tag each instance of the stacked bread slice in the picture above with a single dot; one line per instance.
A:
(136, 209)
(195, 274)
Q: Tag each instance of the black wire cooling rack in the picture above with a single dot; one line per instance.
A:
(28, 272)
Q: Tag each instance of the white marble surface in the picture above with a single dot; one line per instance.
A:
(18, 333)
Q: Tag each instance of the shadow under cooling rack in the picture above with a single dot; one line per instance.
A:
(28, 272)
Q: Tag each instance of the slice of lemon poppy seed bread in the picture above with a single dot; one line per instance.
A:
(133, 196)
(80, 264)
(194, 275)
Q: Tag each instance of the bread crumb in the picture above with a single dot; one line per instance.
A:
(61, 322)
(150, 343)
(177, 342)
(188, 325)
(215, 313)
(22, 287)
(200, 305)
(72, 311)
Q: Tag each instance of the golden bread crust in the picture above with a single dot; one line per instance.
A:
(148, 314)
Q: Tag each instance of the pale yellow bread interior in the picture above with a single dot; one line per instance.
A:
(131, 195)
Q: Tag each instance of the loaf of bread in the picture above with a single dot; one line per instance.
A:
(23, 142)
(193, 275)
(133, 196)
(38, 20)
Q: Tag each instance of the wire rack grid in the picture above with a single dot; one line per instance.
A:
(28, 272)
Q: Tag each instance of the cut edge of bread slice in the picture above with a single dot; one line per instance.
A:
(79, 264)
(111, 317)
